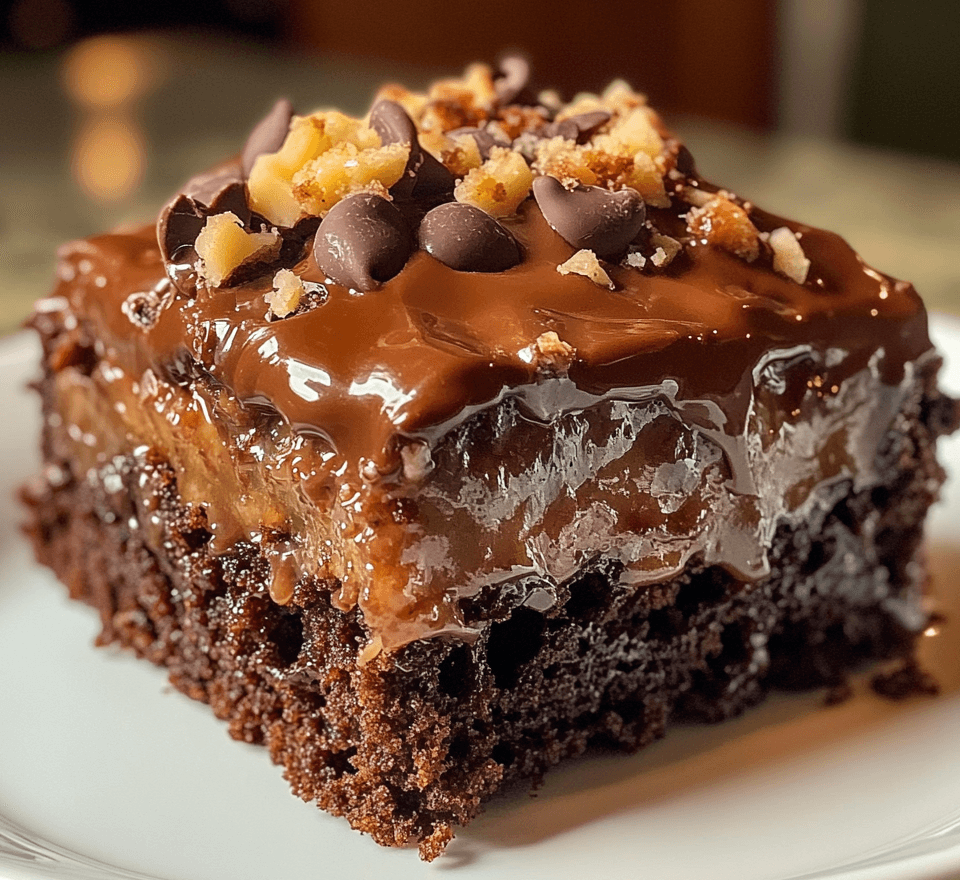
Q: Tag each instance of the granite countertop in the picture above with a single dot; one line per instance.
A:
(162, 107)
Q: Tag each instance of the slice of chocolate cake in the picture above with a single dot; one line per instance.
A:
(434, 447)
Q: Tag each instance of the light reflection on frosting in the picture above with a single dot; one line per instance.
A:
(304, 379)
(380, 385)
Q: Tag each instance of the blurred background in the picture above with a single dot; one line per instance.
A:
(842, 113)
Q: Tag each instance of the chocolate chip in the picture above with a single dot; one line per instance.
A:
(590, 217)
(434, 180)
(467, 239)
(513, 80)
(485, 140)
(268, 134)
(362, 242)
(219, 190)
(579, 128)
(424, 176)
(178, 226)
(685, 162)
(389, 120)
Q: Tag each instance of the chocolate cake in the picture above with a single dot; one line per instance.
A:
(435, 447)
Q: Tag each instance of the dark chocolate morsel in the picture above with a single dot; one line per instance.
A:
(212, 192)
(467, 239)
(590, 217)
(362, 242)
(579, 128)
(685, 162)
(389, 120)
(219, 190)
(485, 140)
(512, 83)
(434, 180)
(178, 226)
(424, 176)
(268, 134)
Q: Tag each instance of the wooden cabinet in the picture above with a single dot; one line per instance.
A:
(715, 58)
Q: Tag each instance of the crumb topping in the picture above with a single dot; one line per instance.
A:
(788, 256)
(224, 247)
(585, 263)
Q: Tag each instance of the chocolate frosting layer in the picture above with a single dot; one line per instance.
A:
(433, 346)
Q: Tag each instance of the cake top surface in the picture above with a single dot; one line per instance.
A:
(376, 281)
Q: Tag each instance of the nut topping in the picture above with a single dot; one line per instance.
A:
(457, 158)
(499, 185)
(285, 296)
(788, 256)
(631, 134)
(665, 249)
(721, 222)
(585, 263)
(458, 151)
(225, 247)
(323, 159)
(550, 354)
(613, 167)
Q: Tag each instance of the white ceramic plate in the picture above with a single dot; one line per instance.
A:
(106, 772)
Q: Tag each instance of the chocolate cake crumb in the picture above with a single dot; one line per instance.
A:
(905, 680)
(838, 693)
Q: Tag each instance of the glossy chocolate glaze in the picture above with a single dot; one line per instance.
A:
(362, 378)
(432, 346)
